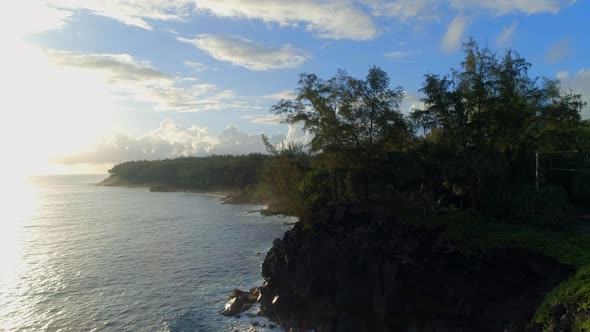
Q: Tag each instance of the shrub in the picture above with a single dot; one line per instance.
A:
(523, 204)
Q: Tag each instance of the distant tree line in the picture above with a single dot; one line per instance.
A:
(472, 145)
(206, 173)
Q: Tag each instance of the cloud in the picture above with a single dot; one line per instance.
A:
(428, 10)
(333, 19)
(329, 19)
(412, 101)
(506, 34)
(137, 81)
(267, 119)
(171, 140)
(246, 53)
(502, 7)
(579, 83)
(402, 56)
(559, 51)
(196, 66)
(22, 18)
(406, 9)
(287, 94)
(562, 75)
(296, 134)
(133, 13)
(454, 35)
(119, 67)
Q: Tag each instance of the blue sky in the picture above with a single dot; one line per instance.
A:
(155, 79)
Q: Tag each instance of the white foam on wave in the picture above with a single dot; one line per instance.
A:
(249, 321)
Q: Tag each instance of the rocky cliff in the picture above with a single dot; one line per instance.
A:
(359, 268)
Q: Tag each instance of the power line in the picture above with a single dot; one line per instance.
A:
(566, 169)
(573, 151)
(538, 167)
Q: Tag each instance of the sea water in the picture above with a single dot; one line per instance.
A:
(79, 257)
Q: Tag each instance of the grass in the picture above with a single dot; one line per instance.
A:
(564, 243)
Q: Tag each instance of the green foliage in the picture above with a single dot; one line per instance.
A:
(280, 183)
(352, 120)
(204, 173)
(522, 203)
(314, 188)
(566, 244)
(489, 116)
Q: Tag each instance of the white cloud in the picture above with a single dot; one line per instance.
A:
(118, 67)
(268, 119)
(20, 18)
(333, 19)
(432, 9)
(171, 140)
(559, 50)
(506, 34)
(579, 83)
(502, 7)
(132, 13)
(133, 80)
(196, 66)
(454, 35)
(287, 94)
(296, 134)
(562, 75)
(405, 9)
(248, 54)
(412, 101)
(403, 56)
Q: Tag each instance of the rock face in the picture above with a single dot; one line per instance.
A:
(359, 269)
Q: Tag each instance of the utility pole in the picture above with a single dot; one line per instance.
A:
(537, 170)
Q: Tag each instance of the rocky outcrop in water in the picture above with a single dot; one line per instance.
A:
(240, 301)
(357, 268)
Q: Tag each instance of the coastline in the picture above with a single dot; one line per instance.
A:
(225, 195)
(113, 181)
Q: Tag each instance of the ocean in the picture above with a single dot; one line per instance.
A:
(79, 257)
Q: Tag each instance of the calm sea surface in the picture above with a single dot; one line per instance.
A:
(78, 257)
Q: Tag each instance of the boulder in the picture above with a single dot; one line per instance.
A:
(240, 301)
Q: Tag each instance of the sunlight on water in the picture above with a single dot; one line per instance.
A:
(22, 203)
(21, 198)
(79, 257)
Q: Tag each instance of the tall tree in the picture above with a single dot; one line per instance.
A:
(349, 117)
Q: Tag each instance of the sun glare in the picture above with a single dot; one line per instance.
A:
(48, 110)
(22, 198)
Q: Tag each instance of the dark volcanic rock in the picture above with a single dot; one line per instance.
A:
(240, 301)
(358, 269)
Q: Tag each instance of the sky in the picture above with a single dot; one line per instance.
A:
(90, 83)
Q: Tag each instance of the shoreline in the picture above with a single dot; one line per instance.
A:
(161, 187)
(225, 196)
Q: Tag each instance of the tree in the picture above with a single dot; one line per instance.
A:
(349, 117)
(491, 114)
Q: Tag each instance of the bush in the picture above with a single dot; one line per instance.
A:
(523, 204)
